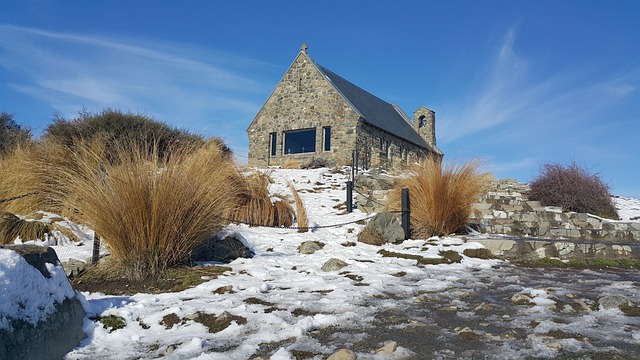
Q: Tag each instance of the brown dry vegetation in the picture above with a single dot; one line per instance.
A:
(440, 196)
(253, 204)
(151, 212)
(301, 212)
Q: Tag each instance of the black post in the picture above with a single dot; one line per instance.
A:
(357, 156)
(349, 196)
(96, 249)
(406, 213)
(353, 163)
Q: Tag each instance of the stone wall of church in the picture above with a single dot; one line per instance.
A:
(376, 147)
(303, 99)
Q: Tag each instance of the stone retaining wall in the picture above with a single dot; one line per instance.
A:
(506, 209)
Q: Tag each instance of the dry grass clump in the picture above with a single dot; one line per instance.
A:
(440, 197)
(12, 227)
(574, 189)
(30, 170)
(301, 212)
(150, 211)
(253, 204)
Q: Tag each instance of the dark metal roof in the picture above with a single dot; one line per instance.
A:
(374, 110)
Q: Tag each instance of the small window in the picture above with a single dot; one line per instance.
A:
(327, 137)
(423, 122)
(272, 143)
(300, 141)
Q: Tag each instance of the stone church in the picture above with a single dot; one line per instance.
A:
(314, 113)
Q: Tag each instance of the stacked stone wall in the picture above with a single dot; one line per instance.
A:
(506, 209)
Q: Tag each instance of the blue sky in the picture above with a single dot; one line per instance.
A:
(515, 83)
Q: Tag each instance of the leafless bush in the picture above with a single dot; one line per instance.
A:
(574, 189)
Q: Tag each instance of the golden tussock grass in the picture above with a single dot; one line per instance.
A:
(150, 211)
(441, 197)
(301, 212)
(254, 205)
(12, 227)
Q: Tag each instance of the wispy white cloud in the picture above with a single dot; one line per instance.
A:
(181, 84)
(520, 100)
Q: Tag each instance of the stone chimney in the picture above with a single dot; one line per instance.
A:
(424, 122)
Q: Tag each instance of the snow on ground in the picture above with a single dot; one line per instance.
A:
(628, 208)
(285, 297)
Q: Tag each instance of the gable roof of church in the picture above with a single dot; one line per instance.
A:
(374, 110)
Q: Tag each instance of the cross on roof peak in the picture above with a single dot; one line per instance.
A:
(304, 48)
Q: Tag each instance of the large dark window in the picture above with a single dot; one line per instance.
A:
(272, 143)
(327, 137)
(300, 141)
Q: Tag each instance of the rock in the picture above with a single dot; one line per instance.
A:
(74, 267)
(224, 290)
(467, 334)
(615, 301)
(388, 348)
(521, 299)
(333, 264)
(342, 354)
(56, 327)
(221, 249)
(309, 247)
(421, 299)
(381, 229)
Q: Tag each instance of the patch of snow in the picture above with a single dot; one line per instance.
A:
(25, 294)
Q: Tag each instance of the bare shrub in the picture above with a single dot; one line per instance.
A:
(120, 129)
(11, 133)
(440, 197)
(574, 189)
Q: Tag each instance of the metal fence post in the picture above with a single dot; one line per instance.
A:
(96, 249)
(406, 213)
(349, 196)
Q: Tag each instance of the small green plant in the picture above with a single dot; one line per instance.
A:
(574, 189)
(482, 253)
(112, 322)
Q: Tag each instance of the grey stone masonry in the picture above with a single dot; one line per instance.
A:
(506, 209)
(308, 117)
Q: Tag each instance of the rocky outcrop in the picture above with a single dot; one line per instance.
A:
(40, 315)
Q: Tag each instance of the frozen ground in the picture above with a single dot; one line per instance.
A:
(284, 305)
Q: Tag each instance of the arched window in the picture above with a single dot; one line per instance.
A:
(422, 122)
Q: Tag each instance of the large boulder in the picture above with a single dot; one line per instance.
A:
(222, 249)
(40, 313)
(381, 229)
